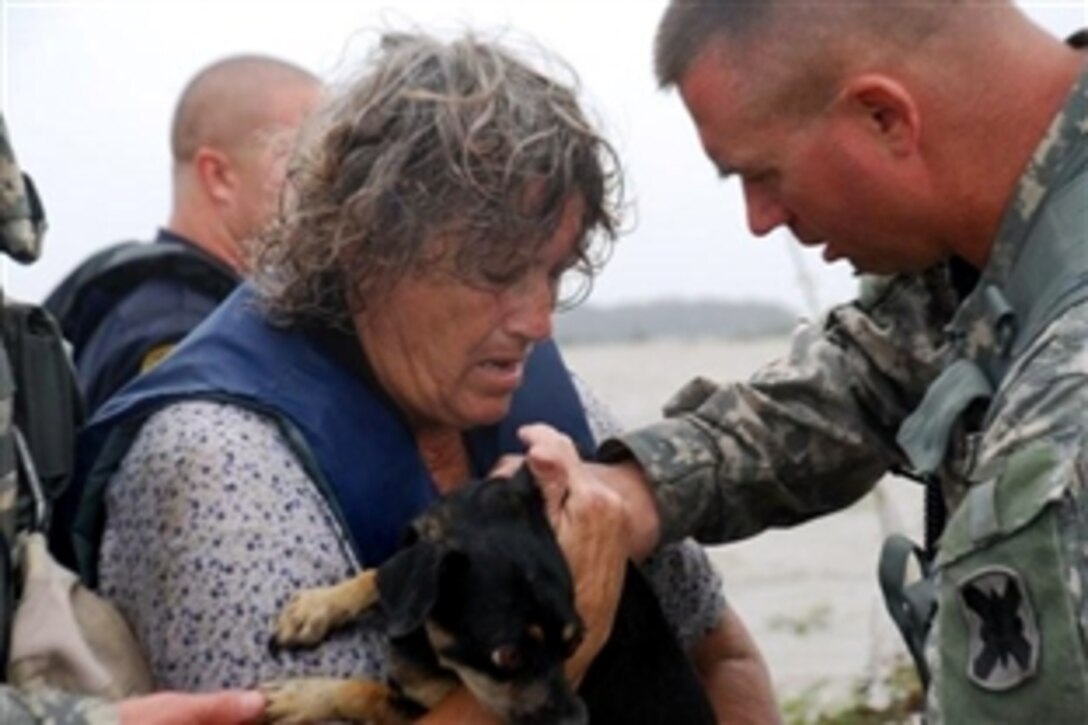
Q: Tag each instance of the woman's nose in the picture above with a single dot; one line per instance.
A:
(532, 305)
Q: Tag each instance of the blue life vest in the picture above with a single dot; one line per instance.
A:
(349, 438)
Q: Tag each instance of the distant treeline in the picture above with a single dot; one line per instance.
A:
(673, 319)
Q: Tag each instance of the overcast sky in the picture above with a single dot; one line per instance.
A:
(88, 89)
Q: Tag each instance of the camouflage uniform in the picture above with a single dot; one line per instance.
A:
(20, 237)
(813, 432)
(55, 708)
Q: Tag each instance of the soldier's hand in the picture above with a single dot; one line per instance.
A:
(643, 521)
(230, 707)
(590, 525)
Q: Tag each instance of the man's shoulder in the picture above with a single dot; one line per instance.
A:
(152, 316)
(165, 278)
(160, 296)
(79, 300)
(1046, 392)
(1054, 360)
(137, 281)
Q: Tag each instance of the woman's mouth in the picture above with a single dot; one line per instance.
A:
(504, 373)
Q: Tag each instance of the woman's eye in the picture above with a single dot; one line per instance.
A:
(500, 278)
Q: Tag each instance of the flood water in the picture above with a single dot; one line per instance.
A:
(808, 594)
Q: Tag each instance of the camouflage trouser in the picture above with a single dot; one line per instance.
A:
(54, 708)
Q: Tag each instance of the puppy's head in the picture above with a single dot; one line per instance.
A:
(486, 581)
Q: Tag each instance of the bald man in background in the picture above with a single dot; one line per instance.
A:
(125, 307)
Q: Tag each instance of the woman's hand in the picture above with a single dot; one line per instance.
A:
(590, 523)
(643, 521)
(734, 674)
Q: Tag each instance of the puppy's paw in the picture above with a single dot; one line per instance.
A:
(317, 699)
(299, 701)
(312, 613)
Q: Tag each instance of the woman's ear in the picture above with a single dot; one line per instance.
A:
(887, 109)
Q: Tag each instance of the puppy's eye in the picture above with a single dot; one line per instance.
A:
(572, 637)
(506, 657)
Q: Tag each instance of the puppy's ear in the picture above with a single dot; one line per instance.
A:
(523, 476)
(408, 586)
(524, 482)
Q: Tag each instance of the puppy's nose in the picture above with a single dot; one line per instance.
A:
(561, 707)
(576, 715)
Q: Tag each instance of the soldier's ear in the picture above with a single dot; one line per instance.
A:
(885, 109)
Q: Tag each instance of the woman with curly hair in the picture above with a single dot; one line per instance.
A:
(392, 339)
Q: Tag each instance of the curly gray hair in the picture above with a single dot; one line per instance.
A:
(457, 140)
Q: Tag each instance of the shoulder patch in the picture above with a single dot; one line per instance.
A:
(1002, 630)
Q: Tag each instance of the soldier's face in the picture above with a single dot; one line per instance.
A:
(828, 177)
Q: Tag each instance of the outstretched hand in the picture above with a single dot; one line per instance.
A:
(230, 707)
(591, 525)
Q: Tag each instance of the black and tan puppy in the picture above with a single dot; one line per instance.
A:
(480, 594)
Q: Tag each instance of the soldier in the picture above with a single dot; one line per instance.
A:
(21, 227)
(941, 147)
(126, 306)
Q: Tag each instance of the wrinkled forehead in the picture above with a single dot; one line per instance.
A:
(504, 241)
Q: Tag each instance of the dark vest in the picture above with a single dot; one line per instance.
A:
(349, 438)
(131, 298)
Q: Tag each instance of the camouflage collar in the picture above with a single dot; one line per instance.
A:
(1037, 271)
(1060, 156)
(1046, 170)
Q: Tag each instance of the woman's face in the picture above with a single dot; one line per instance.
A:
(451, 354)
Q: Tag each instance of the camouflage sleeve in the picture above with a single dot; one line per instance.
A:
(807, 434)
(53, 707)
(22, 221)
(1074, 535)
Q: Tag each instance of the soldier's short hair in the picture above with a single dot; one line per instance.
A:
(801, 45)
